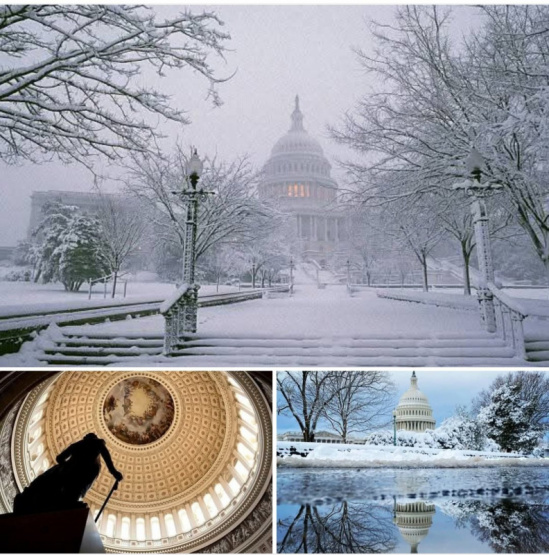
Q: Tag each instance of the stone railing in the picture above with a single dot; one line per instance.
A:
(510, 315)
(179, 311)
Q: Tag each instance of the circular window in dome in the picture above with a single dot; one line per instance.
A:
(138, 410)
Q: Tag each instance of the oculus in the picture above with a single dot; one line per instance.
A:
(138, 410)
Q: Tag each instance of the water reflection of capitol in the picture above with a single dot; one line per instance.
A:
(413, 521)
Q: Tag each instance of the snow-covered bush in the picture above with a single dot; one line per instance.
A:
(456, 432)
(72, 251)
(18, 275)
(507, 419)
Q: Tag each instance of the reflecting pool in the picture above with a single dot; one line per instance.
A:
(382, 510)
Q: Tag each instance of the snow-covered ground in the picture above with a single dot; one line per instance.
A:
(313, 312)
(339, 455)
(23, 297)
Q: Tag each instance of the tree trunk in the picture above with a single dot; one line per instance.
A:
(114, 281)
(466, 272)
(425, 278)
(217, 284)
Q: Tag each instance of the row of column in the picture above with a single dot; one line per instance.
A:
(315, 228)
(414, 426)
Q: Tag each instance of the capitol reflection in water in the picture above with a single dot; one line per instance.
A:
(482, 520)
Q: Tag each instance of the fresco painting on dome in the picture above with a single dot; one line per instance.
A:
(413, 461)
(138, 410)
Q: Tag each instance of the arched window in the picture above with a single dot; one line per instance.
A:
(243, 400)
(245, 452)
(210, 505)
(140, 534)
(125, 528)
(111, 525)
(155, 528)
(241, 469)
(184, 520)
(233, 484)
(197, 513)
(170, 525)
(246, 434)
(222, 494)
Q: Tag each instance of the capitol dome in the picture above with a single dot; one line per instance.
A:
(297, 177)
(414, 520)
(194, 447)
(413, 412)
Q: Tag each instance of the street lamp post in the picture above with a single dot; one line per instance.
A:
(253, 274)
(291, 276)
(394, 428)
(479, 191)
(180, 312)
(348, 276)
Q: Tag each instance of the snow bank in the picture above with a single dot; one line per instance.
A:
(436, 299)
(338, 455)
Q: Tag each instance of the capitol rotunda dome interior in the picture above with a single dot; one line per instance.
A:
(195, 449)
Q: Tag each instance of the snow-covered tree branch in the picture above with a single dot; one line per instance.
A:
(71, 81)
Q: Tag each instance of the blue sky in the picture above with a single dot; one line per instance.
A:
(445, 389)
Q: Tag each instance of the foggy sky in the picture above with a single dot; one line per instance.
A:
(446, 389)
(277, 52)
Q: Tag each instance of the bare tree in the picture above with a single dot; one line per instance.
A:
(232, 216)
(345, 527)
(71, 83)
(122, 227)
(362, 401)
(306, 395)
(435, 101)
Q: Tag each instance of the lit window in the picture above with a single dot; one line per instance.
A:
(247, 435)
(170, 525)
(240, 468)
(245, 452)
(248, 418)
(111, 524)
(184, 520)
(222, 494)
(244, 400)
(197, 513)
(125, 528)
(140, 529)
(233, 484)
(210, 505)
(155, 528)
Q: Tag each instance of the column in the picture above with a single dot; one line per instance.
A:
(204, 509)
(133, 527)
(215, 498)
(148, 531)
(118, 526)
(190, 514)
(177, 522)
(163, 531)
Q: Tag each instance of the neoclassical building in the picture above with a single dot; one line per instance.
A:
(297, 176)
(195, 449)
(413, 412)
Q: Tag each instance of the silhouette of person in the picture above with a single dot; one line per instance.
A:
(66, 483)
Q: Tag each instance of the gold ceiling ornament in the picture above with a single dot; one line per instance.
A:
(183, 488)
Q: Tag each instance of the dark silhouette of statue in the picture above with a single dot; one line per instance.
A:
(64, 485)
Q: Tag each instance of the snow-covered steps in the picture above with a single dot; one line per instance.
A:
(99, 350)
(537, 351)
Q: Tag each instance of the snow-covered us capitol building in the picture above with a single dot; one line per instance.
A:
(413, 412)
(297, 177)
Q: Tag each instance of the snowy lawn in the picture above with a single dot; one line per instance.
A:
(17, 298)
(313, 312)
(339, 455)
